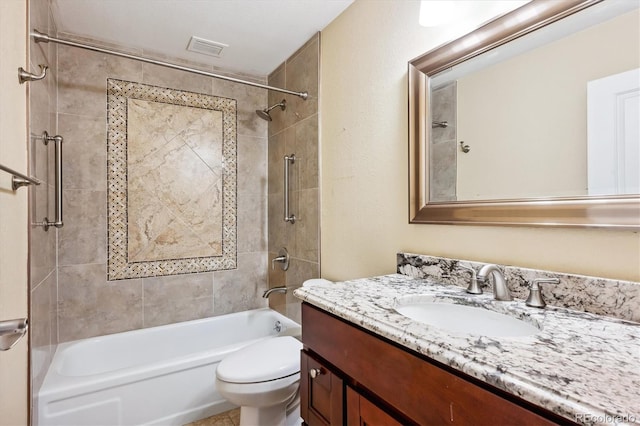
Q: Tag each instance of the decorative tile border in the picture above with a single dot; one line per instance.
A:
(614, 298)
(119, 267)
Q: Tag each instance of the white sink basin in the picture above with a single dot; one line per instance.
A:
(466, 319)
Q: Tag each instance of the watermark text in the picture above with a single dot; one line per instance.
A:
(605, 418)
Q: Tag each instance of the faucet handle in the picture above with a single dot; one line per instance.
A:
(282, 258)
(474, 287)
(277, 259)
(535, 299)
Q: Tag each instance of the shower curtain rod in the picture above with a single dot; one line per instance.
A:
(40, 37)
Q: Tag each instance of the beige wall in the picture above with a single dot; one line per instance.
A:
(13, 209)
(536, 92)
(363, 127)
(295, 131)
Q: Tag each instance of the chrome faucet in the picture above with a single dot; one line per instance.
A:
(500, 290)
(535, 299)
(267, 293)
(474, 287)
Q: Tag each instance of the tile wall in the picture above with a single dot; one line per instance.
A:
(444, 147)
(42, 258)
(89, 304)
(295, 131)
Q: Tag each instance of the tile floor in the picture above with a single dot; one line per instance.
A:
(228, 418)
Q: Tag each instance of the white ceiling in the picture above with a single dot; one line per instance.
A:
(260, 34)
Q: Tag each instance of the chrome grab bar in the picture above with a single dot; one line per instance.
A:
(58, 160)
(18, 179)
(288, 217)
(58, 222)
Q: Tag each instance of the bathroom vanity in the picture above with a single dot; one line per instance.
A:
(365, 363)
(350, 374)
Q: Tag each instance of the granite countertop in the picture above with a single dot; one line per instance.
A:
(581, 366)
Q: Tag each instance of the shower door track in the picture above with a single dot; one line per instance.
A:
(40, 37)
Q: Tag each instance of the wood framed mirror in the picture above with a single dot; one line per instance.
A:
(580, 204)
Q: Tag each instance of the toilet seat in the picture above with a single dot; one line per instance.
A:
(268, 360)
(263, 394)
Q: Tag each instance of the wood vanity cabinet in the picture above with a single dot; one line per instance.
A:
(350, 376)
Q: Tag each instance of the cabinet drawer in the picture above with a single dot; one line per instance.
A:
(413, 386)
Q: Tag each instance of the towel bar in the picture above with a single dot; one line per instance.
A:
(19, 179)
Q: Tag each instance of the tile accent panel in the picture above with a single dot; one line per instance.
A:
(171, 180)
(614, 298)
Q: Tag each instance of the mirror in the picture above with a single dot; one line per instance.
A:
(505, 123)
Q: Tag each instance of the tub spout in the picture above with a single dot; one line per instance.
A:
(267, 293)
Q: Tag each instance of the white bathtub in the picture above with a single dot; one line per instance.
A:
(160, 376)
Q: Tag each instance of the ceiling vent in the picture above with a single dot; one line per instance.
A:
(206, 47)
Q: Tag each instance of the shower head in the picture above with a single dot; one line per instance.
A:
(264, 113)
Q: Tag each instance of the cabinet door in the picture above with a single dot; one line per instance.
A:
(321, 393)
(362, 412)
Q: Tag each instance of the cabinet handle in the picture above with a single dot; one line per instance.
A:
(315, 372)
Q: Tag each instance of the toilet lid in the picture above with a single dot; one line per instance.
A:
(269, 359)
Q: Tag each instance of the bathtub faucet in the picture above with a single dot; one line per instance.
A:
(267, 293)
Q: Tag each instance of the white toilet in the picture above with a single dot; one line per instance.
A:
(263, 379)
